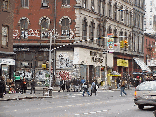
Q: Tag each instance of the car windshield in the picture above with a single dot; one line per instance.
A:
(147, 86)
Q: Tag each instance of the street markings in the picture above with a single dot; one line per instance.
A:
(85, 113)
(98, 111)
(77, 114)
(92, 112)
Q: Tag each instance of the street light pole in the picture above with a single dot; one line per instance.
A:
(50, 60)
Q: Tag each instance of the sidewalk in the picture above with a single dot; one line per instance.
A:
(19, 96)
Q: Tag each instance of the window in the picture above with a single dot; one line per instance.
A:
(25, 3)
(150, 3)
(92, 5)
(24, 28)
(5, 5)
(5, 34)
(99, 6)
(66, 2)
(92, 31)
(84, 4)
(44, 28)
(109, 11)
(99, 34)
(45, 3)
(65, 26)
(103, 7)
(84, 27)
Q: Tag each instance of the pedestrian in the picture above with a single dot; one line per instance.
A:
(118, 82)
(61, 85)
(85, 88)
(82, 81)
(2, 86)
(32, 86)
(68, 85)
(123, 85)
(23, 85)
(93, 88)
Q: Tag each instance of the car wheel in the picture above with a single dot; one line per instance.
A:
(140, 106)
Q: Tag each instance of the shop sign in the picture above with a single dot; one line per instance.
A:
(88, 57)
(7, 61)
(95, 58)
(122, 62)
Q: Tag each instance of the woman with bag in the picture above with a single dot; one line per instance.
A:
(93, 88)
(123, 86)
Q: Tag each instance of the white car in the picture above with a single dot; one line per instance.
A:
(145, 94)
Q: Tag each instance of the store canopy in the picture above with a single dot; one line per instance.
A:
(142, 65)
(114, 73)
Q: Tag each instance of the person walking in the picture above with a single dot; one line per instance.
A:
(68, 85)
(23, 85)
(32, 86)
(85, 88)
(82, 81)
(118, 82)
(123, 85)
(93, 88)
(2, 87)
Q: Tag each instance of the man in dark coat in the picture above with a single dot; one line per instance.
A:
(2, 87)
(33, 86)
(68, 85)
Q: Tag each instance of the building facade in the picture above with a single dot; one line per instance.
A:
(149, 52)
(7, 61)
(149, 20)
(81, 31)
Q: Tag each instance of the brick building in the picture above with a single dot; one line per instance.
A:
(149, 51)
(84, 25)
(7, 61)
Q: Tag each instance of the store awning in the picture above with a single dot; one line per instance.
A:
(142, 65)
(114, 73)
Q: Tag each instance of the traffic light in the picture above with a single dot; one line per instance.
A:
(126, 43)
(121, 44)
(102, 68)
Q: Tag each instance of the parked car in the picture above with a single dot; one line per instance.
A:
(145, 94)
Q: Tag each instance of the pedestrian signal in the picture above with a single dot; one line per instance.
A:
(121, 44)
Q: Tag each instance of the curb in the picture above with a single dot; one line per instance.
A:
(26, 98)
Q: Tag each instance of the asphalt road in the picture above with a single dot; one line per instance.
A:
(73, 104)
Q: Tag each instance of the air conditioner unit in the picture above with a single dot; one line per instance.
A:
(45, 4)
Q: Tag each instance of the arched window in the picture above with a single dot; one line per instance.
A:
(24, 28)
(44, 28)
(84, 31)
(65, 27)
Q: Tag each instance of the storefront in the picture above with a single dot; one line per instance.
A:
(7, 69)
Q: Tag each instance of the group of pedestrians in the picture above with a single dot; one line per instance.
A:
(78, 85)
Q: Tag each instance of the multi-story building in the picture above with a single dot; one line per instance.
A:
(149, 20)
(80, 31)
(7, 61)
(149, 51)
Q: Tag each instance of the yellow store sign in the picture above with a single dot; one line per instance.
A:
(122, 62)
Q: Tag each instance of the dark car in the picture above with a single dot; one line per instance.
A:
(145, 94)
